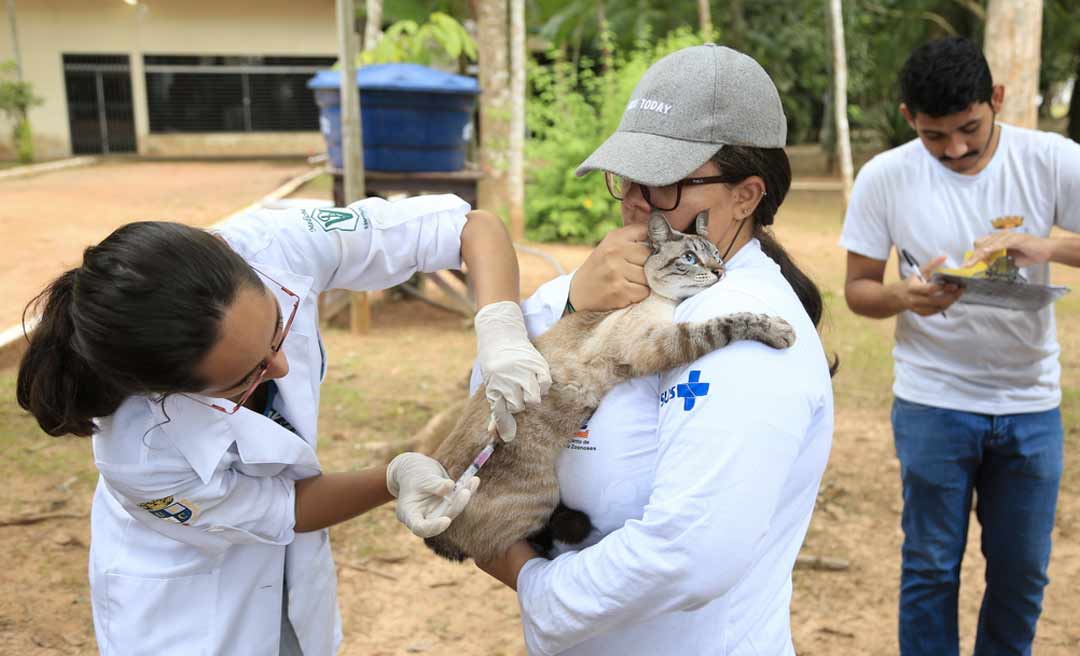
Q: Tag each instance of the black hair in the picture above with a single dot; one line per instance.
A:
(772, 166)
(136, 317)
(945, 76)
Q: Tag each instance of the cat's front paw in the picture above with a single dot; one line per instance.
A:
(779, 334)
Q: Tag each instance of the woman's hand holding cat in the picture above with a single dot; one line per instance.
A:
(515, 374)
(421, 484)
(613, 276)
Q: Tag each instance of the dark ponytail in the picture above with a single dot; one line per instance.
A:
(56, 385)
(774, 169)
(136, 317)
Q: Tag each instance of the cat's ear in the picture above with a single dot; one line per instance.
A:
(659, 229)
(701, 224)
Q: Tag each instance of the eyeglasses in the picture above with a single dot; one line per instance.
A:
(665, 198)
(264, 366)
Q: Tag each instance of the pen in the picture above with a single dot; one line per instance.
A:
(918, 271)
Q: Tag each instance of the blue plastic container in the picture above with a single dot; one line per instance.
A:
(414, 118)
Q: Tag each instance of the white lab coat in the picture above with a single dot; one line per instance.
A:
(192, 523)
(700, 483)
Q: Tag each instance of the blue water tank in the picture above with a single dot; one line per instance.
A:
(414, 118)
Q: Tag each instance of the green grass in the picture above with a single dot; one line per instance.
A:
(33, 464)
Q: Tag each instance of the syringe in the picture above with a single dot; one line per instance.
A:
(465, 477)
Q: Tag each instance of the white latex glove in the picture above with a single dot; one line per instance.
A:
(514, 371)
(420, 484)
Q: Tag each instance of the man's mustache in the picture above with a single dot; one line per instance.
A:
(946, 158)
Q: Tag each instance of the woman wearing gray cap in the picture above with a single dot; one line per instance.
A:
(700, 483)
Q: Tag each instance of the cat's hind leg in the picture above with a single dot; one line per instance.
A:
(566, 525)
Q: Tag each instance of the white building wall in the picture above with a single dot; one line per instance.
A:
(49, 28)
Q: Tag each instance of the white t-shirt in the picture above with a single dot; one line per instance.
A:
(977, 359)
(700, 483)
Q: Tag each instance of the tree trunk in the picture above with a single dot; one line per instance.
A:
(1074, 105)
(352, 140)
(1012, 45)
(827, 138)
(840, 105)
(372, 24)
(737, 38)
(493, 46)
(517, 119)
(704, 13)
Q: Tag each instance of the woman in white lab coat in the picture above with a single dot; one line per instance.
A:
(700, 482)
(194, 361)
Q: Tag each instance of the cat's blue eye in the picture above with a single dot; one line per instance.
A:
(689, 258)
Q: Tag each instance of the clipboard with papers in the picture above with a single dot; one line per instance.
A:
(999, 282)
(1002, 293)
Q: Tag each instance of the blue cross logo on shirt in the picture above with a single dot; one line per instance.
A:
(691, 390)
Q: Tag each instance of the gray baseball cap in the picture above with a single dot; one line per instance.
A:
(685, 108)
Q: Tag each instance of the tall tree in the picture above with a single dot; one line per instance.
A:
(372, 24)
(840, 104)
(704, 13)
(517, 119)
(352, 139)
(494, 78)
(1012, 47)
(737, 36)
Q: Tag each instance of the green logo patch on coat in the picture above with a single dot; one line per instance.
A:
(341, 219)
(344, 220)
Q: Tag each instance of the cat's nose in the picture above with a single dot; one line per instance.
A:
(718, 272)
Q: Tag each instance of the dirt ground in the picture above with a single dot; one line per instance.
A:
(47, 219)
(396, 598)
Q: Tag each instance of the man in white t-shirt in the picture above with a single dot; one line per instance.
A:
(977, 396)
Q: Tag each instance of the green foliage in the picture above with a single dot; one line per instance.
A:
(793, 46)
(24, 141)
(577, 22)
(16, 99)
(417, 10)
(570, 112)
(1060, 42)
(790, 39)
(880, 36)
(440, 42)
(565, 125)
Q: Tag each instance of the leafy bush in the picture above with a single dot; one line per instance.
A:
(441, 42)
(570, 112)
(16, 99)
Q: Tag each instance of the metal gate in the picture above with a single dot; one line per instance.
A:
(99, 104)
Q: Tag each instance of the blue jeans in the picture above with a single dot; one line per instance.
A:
(1014, 464)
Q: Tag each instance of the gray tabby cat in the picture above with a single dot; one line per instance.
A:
(588, 353)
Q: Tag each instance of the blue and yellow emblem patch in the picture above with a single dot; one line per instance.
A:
(167, 508)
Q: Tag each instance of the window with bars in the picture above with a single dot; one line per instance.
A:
(216, 93)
